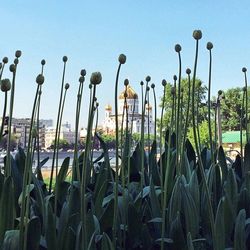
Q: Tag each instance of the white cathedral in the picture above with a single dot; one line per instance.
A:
(132, 104)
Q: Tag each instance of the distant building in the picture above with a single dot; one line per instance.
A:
(231, 142)
(133, 119)
(65, 133)
(46, 122)
(20, 128)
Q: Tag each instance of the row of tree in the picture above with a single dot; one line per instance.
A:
(231, 108)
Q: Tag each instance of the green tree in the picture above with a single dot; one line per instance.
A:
(63, 144)
(231, 109)
(203, 132)
(201, 89)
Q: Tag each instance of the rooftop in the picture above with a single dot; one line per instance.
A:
(233, 137)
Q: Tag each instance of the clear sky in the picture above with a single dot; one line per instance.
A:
(93, 34)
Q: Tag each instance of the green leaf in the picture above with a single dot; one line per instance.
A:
(70, 239)
(154, 202)
(190, 152)
(193, 187)
(231, 191)
(7, 206)
(190, 245)
(247, 158)
(220, 226)
(34, 234)
(239, 233)
(106, 242)
(222, 163)
(28, 189)
(11, 240)
(189, 209)
(50, 233)
(176, 233)
(175, 201)
(153, 164)
(99, 199)
(134, 224)
(106, 220)
(63, 170)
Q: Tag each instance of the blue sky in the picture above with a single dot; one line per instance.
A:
(93, 34)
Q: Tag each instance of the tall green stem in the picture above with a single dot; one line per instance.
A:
(4, 113)
(27, 173)
(116, 159)
(161, 125)
(166, 175)
(178, 121)
(85, 162)
(12, 95)
(200, 164)
(57, 128)
(247, 132)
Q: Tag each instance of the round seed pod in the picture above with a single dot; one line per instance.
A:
(5, 60)
(209, 45)
(220, 92)
(83, 72)
(164, 82)
(96, 78)
(146, 102)
(122, 58)
(5, 85)
(177, 48)
(97, 104)
(12, 68)
(126, 82)
(152, 85)
(34, 133)
(148, 88)
(65, 59)
(81, 79)
(199, 84)
(125, 95)
(141, 83)
(175, 78)
(90, 86)
(188, 71)
(67, 86)
(16, 61)
(43, 62)
(244, 69)
(148, 78)
(18, 53)
(40, 79)
(197, 34)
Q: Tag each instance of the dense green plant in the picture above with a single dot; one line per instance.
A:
(182, 197)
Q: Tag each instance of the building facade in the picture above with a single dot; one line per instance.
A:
(133, 118)
(65, 133)
(20, 129)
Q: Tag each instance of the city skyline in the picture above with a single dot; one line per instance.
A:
(93, 35)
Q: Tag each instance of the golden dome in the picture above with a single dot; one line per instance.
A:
(130, 93)
(108, 107)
